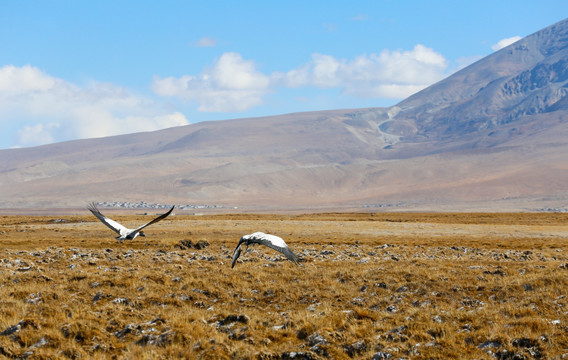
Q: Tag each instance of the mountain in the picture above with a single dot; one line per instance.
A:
(527, 78)
(493, 136)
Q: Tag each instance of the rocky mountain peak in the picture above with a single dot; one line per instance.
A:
(529, 77)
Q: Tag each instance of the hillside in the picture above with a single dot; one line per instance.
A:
(493, 136)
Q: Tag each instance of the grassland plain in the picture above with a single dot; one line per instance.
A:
(369, 285)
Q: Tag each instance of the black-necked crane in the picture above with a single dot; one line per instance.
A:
(272, 241)
(123, 232)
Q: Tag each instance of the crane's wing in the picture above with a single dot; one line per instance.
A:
(163, 216)
(274, 242)
(236, 254)
(113, 225)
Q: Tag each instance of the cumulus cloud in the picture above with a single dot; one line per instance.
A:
(389, 74)
(231, 84)
(43, 109)
(505, 42)
(21, 80)
(38, 134)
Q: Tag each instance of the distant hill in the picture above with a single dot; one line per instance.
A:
(493, 136)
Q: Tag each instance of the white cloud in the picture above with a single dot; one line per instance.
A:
(206, 42)
(45, 109)
(38, 134)
(390, 74)
(231, 84)
(322, 71)
(505, 42)
(21, 80)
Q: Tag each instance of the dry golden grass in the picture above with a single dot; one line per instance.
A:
(396, 285)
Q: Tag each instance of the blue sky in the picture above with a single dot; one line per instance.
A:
(80, 69)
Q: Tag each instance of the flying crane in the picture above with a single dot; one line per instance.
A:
(123, 232)
(272, 241)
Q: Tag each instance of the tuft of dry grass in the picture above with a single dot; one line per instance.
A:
(404, 285)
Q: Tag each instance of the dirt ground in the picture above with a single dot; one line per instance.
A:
(368, 285)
